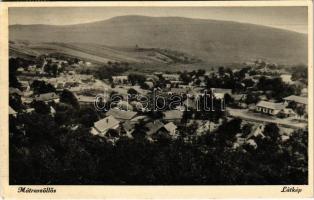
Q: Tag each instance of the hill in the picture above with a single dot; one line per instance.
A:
(211, 40)
(100, 53)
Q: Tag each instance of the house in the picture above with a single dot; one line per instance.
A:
(120, 79)
(171, 128)
(221, 91)
(153, 127)
(173, 115)
(47, 97)
(124, 105)
(85, 100)
(13, 90)
(257, 131)
(12, 112)
(158, 73)
(171, 77)
(121, 114)
(268, 107)
(177, 91)
(300, 101)
(127, 128)
(239, 100)
(287, 112)
(152, 78)
(150, 84)
(102, 126)
(156, 130)
(304, 92)
(139, 118)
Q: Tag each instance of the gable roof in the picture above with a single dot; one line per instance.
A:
(270, 105)
(121, 114)
(12, 111)
(153, 127)
(46, 96)
(298, 99)
(106, 123)
(238, 97)
(128, 126)
(170, 127)
(13, 90)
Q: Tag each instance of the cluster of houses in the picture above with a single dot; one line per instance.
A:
(282, 108)
(124, 118)
(119, 123)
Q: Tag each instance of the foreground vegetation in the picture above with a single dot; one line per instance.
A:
(48, 150)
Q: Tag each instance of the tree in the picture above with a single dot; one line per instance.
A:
(54, 70)
(41, 107)
(132, 92)
(136, 79)
(41, 87)
(221, 71)
(69, 98)
(140, 131)
(14, 63)
(300, 110)
(15, 102)
(271, 131)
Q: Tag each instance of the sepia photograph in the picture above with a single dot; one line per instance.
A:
(158, 96)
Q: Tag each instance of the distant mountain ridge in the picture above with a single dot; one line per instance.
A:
(214, 41)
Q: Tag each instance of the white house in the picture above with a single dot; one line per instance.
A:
(102, 126)
(268, 107)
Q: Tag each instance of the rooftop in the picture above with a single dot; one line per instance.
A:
(106, 123)
(270, 105)
(222, 90)
(173, 114)
(170, 127)
(46, 96)
(12, 111)
(85, 99)
(121, 114)
(153, 127)
(298, 99)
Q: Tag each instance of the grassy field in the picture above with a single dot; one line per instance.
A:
(101, 54)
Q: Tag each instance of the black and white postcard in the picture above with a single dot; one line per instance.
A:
(156, 99)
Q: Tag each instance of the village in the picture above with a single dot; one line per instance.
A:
(258, 93)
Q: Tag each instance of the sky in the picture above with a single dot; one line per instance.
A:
(289, 18)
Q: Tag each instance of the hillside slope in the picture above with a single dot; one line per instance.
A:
(100, 53)
(211, 40)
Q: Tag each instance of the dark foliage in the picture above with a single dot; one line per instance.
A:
(49, 151)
